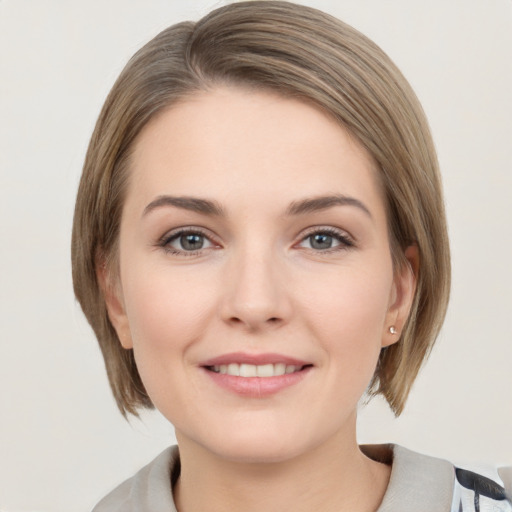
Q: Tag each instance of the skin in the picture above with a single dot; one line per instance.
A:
(260, 284)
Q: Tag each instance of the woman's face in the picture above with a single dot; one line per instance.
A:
(256, 284)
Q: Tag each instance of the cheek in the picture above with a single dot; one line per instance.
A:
(167, 314)
(166, 311)
(351, 299)
(348, 315)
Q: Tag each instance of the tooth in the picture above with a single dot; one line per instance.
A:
(251, 370)
(247, 370)
(234, 369)
(265, 370)
(279, 369)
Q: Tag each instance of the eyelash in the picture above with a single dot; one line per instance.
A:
(345, 241)
(165, 241)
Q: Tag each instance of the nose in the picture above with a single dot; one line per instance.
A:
(256, 295)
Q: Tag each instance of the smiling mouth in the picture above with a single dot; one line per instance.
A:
(252, 370)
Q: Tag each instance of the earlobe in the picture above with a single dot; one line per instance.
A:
(114, 303)
(402, 296)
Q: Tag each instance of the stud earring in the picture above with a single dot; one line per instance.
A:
(392, 329)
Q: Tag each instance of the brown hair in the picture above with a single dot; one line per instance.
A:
(300, 52)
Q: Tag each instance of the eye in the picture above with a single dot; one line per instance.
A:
(186, 242)
(326, 239)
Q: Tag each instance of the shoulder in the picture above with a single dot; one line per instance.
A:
(149, 489)
(422, 483)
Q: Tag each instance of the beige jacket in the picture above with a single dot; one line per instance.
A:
(418, 483)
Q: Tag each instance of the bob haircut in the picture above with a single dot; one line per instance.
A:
(297, 52)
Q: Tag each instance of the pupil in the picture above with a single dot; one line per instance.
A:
(191, 242)
(320, 241)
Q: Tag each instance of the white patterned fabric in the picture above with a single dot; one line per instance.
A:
(476, 493)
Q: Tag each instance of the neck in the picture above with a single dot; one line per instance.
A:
(335, 476)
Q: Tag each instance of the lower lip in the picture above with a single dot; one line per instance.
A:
(257, 387)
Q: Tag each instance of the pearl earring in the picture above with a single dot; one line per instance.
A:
(392, 329)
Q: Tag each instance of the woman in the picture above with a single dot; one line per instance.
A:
(259, 238)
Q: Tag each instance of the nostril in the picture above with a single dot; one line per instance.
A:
(234, 320)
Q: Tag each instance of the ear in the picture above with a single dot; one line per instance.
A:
(402, 296)
(112, 294)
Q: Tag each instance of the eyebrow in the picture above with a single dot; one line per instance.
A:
(194, 204)
(315, 204)
(213, 208)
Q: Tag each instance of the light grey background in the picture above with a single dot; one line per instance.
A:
(62, 442)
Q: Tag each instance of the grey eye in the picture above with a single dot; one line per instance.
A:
(191, 241)
(321, 241)
(187, 242)
(326, 240)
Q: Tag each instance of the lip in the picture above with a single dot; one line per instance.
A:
(256, 359)
(255, 387)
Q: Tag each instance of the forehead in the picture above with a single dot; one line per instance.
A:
(233, 143)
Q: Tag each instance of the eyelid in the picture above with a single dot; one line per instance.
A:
(346, 240)
(164, 240)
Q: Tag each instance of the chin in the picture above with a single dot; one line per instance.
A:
(261, 451)
(256, 443)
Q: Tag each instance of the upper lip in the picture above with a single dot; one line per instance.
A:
(255, 359)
